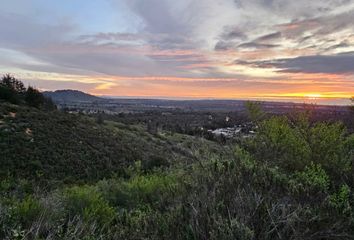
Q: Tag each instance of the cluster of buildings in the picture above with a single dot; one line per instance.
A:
(242, 130)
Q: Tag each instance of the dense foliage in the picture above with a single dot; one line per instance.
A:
(54, 146)
(103, 180)
(13, 90)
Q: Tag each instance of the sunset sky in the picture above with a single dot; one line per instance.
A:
(239, 49)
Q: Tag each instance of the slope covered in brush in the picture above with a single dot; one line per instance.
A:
(55, 145)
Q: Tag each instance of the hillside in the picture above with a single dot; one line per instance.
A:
(71, 96)
(54, 145)
(65, 176)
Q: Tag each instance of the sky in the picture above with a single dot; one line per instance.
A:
(282, 50)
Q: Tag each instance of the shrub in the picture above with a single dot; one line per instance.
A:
(327, 142)
(294, 145)
(341, 199)
(87, 203)
(311, 180)
(229, 229)
(28, 211)
(140, 191)
(277, 143)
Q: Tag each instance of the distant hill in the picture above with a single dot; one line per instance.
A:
(71, 96)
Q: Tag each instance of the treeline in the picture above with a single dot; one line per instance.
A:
(13, 90)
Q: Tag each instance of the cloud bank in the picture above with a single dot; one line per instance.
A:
(111, 43)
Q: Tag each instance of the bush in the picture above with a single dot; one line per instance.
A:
(341, 200)
(327, 143)
(85, 202)
(278, 144)
(140, 191)
(294, 145)
(230, 229)
(312, 180)
(28, 211)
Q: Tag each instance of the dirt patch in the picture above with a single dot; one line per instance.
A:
(28, 131)
(12, 114)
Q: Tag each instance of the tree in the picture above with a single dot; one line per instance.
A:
(7, 95)
(11, 89)
(34, 98)
(12, 83)
(254, 111)
(49, 104)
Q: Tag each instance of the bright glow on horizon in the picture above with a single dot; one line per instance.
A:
(313, 95)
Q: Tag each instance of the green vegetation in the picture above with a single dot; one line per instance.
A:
(254, 110)
(13, 90)
(66, 176)
(55, 147)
